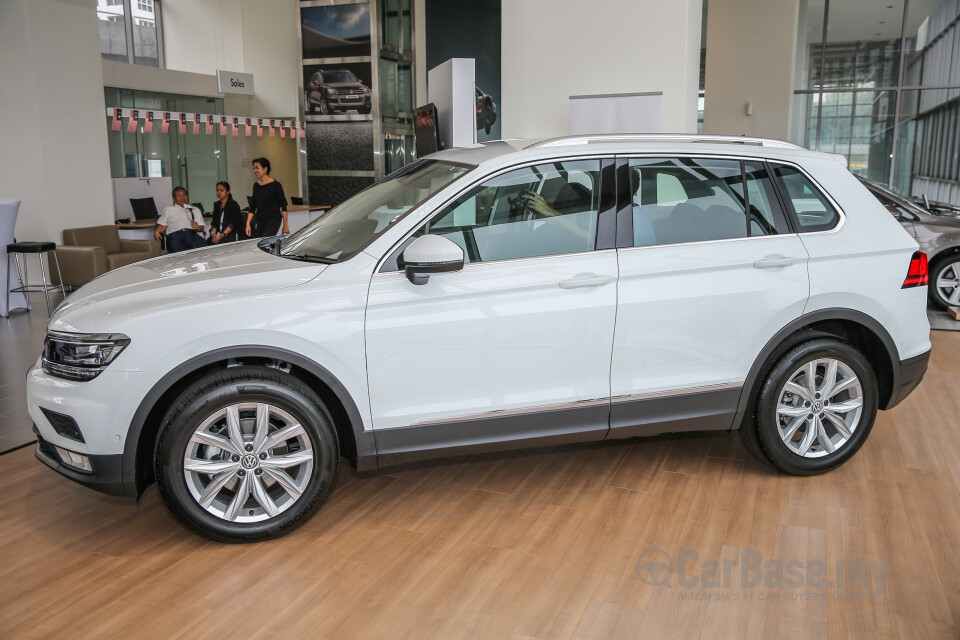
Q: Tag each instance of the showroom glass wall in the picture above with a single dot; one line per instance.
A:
(130, 31)
(194, 162)
(879, 82)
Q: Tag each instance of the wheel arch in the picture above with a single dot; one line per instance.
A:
(854, 327)
(356, 444)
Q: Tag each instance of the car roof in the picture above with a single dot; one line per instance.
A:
(514, 150)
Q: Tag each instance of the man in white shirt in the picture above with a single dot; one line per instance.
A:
(181, 222)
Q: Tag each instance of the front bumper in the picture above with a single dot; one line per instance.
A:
(907, 378)
(349, 102)
(106, 476)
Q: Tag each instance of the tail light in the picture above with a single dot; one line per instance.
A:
(917, 274)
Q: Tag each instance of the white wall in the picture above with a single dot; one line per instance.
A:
(52, 128)
(554, 49)
(751, 48)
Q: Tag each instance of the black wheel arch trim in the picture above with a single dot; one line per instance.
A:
(366, 446)
(850, 315)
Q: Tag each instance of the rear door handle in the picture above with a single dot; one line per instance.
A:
(585, 280)
(774, 261)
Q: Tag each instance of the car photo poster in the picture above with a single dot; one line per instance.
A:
(469, 30)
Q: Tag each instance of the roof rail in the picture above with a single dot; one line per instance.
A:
(660, 137)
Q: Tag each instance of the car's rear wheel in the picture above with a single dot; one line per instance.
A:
(816, 407)
(944, 288)
(246, 454)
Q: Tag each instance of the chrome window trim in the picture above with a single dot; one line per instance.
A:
(601, 155)
(594, 252)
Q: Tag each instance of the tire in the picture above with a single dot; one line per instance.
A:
(797, 424)
(324, 107)
(284, 479)
(945, 271)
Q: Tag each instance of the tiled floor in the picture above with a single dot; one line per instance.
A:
(21, 338)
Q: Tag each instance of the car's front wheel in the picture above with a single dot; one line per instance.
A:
(944, 288)
(245, 454)
(816, 407)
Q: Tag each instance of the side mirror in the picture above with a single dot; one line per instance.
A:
(431, 254)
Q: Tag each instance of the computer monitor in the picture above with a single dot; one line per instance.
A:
(144, 208)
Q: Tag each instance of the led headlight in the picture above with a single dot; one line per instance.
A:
(365, 90)
(80, 356)
(331, 91)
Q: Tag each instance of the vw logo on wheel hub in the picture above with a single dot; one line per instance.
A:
(249, 461)
(817, 407)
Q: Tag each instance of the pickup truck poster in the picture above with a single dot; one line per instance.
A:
(469, 30)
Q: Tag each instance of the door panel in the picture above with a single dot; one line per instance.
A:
(499, 336)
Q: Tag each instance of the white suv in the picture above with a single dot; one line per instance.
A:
(509, 295)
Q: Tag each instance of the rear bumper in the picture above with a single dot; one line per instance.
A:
(107, 474)
(907, 378)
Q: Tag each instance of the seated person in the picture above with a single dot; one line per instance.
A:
(181, 222)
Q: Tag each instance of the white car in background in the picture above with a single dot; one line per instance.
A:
(513, 294)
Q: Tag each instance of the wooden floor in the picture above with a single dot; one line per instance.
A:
(555, 544)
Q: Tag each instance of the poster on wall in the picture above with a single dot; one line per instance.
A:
(469, 30)
(335, 31)
(343, 88)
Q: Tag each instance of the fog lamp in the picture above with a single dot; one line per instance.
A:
(76, 460)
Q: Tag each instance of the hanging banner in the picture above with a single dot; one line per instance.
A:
(183, 124)
(283, 128)
(148, 122)
(165, 126)
(196, 124)
(117, 120)
(259, 127)
(134, 118)
(223, 125)
(273, 123)
(303, 129)
(209, 131)
(235, 128)
(249, 123)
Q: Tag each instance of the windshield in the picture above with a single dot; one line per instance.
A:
(351, 226)
(339, 76)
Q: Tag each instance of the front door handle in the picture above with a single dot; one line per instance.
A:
(585, 280)
(774, 261)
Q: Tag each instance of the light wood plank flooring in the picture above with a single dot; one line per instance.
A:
(533, 545)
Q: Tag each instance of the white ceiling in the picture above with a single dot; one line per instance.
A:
(866, 20)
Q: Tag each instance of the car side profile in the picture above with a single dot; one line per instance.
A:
(938, 236)
(509, 295)
(337, 90)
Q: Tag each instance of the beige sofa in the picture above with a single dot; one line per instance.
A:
(88, 252)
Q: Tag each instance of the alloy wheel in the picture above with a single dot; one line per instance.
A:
(819, 407)
(248, 462)
(948, 284)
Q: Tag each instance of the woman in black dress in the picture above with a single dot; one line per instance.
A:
(225, 226)
(269, 210)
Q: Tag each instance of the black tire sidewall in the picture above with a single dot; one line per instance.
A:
(212, 393)
(939, 267)
(766, 421)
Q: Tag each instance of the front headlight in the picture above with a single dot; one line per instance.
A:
(331, 92)
(81, 356)
(366, 90)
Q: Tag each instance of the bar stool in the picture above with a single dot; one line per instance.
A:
(25, 287)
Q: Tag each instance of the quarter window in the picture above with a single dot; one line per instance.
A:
(812, 211)
(541, 210)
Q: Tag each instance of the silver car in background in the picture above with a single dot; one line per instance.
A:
(938, 237)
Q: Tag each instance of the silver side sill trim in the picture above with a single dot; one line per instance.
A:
(579, 404)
